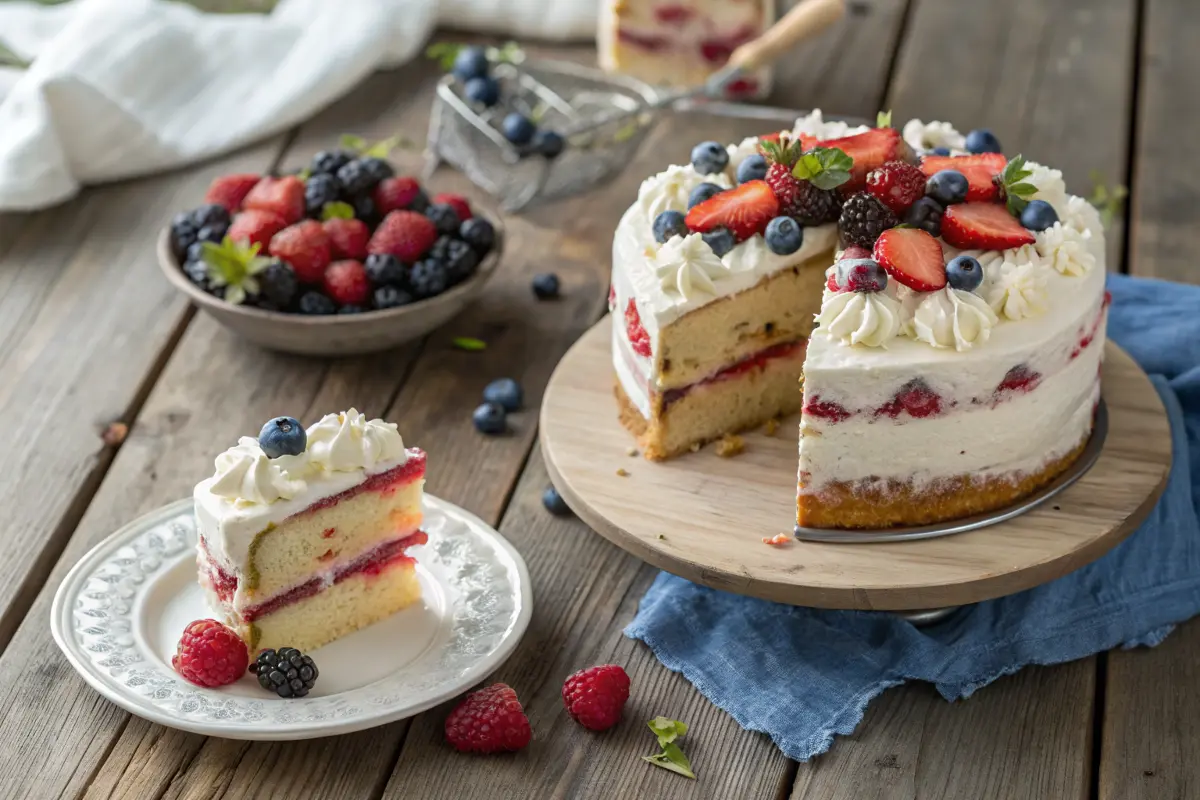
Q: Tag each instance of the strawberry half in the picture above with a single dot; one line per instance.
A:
(983, 226)
(978, 170)
(913, 257)
(745, 210)
(869, 149)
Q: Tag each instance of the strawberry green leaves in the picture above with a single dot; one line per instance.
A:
(234, 265)
(1017, 193)
(337, 210)
(883, 119)
(824, 167)
(671, 757)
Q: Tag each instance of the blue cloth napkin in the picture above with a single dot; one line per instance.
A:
(803, 675)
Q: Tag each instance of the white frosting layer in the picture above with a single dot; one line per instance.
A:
(867, 318)
(688, 267)
(953, 318)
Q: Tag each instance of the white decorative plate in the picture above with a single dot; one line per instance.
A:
(119, 613)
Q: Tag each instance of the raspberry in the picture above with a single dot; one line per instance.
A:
(405, 234)
(230, 190)
(403, 193)
(346, 283)
(210, 654)
(457, 201)
(897, 184)
(595, 696)
(636, 331)
(914, 397)
(490, 720)
(863, 218)
(305, 246)
(347, 237)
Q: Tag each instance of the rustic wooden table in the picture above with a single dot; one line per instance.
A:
(93, 339)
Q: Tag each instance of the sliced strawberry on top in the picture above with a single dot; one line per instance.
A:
(745, 210)
(977, 169)
(869, 149)
(913, 257)
(983, 226)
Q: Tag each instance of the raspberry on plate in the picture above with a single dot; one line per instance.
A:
(459, 203)
(346, 283)
(490, 720)
(347, 237)
(305, 246)
(405, 234)
(283, 196)
(594, 697)
(230, 190)
(210, 654)
(395, 194)
(255, 227)
(897, 184)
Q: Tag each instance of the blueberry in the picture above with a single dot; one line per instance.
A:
(505, 393)
(428, 278)
(940, 151)
(278, 284)
(545, 286)
(211, 215)
(484, 91)
(320, 188)
(554, 503)
(384, 269)
(982, 140)
(391, 297)
(328, 162)
(669, 224)
(518, 129)
(195, 251)
(471, 62)
(282, 436)
(964, 273)
(1039, 215)
(444, 218)
(720, 239)
(754, 168)
(710, 157)
(460, 260)
(478, 233)
(926, 214)
(947, 186)
(183, 235)
(211, 233)
(784, 236)
(490, 418)
(316, 303)
(702, 193)
(549, 143)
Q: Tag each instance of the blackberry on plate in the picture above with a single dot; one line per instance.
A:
(356, 178)
(505, 392)
(286, 672)
(444, 218)
(319, 189)
(926, 214)
(428, 278)
(316, 303)
(365, 209)
(278, 285)
(384, 269)
(211, 215)
(863, 218)
(183, 235)
(720, 239)
(391, 297)
(460, 261)
(478, 233)
(377, 168)
(545, 286)
(328, 162)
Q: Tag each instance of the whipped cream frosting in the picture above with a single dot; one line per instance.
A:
(953, 318)
(928, 135)
(245, 475)
(669, 189)
(867, 318)
(1019, 290)
(687, 266)
(1066, 249)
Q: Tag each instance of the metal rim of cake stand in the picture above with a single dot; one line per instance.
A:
(1085, 461)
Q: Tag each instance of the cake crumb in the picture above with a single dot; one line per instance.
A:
(730, 445)
(777, 539)
(662, 536)
(771, 426)
(114, 433)
(622, 473)
(633, 451)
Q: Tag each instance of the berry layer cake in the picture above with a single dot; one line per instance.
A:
(304, 535)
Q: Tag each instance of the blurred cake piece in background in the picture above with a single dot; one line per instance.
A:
(681, 42)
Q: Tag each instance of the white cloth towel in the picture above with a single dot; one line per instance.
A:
(121, 88)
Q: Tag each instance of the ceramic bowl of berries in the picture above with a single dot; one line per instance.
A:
(345, 258)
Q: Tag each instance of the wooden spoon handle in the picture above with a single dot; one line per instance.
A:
(808, 18)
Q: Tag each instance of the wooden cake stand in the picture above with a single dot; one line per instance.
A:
(703, 517)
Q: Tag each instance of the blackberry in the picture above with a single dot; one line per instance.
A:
(328, 162)
(478, 233)
(384, 269)
(183, 235)
(460, 261)
(444, 218)
(211, 215)
(926, 214)
(378, 169)
(813, 206)
(319, 189)
(364, 209)
(316, 303)
(286, 672)
(278, 285)
(211, 233)
(195, 252)
(863, 218)
(391, 297)
(197, 272)
(428, 278)
(420, 202)
(355, 178)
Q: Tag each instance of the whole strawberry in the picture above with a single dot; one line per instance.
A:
(305, 246)
(897, 184)
(399, 194)
(490, 720)
(230, 190)
(347, 237)
(406, 235)
(255, 227)
(595, 696)
(283, 196)
(457, 202)
(210, 654)
(346, 283)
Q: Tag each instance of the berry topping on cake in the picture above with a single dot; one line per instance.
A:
(479, 234)
(347, 237)
(545, 286)
(912, 257)
(554, 502)
(805, 183)
(981, 140)
(287, 672)
(305, 246)
(915, 398)
(898, 184)
(490, 418)
(1039, 215)
(210, 654)
(457, 202)
(869, 150)
(669, 224)
(862, 275)
(854, 251)
(346, 283)
(745, 210)
(784, 236)
(255, 227)
(397, 194)
(926, 214)
(594, 697)
(863, 218)
(230, 190)
(405, 234)
(979, 170)
(490, 720)
(964, 273)
(282, 436)
(752, 168)
(638, 338)
(281, 196)
(504, 391)
(983, 226)
(702, 193)
(710, 158)
(719, 240)
(947, 186)
(518, 128)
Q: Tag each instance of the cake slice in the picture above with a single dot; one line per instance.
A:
(304, 535)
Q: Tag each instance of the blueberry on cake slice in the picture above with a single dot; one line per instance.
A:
(304, 535)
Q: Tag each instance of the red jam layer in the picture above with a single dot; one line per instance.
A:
(383, 482)
(750, 363)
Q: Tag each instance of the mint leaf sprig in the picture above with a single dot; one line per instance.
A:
(1108, 200)
(824, 167)
(381, 149)
(671, 757)
(1017, 193)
